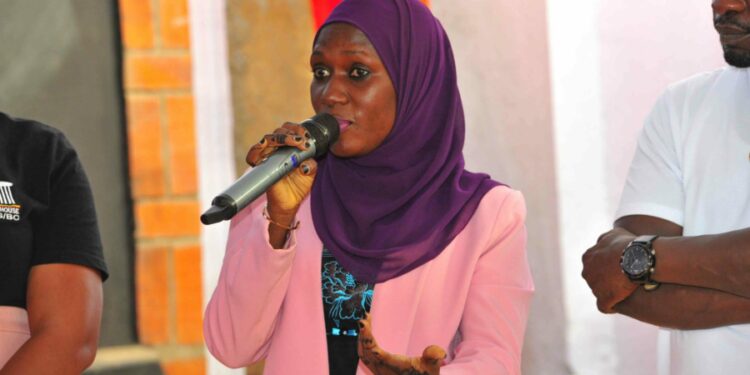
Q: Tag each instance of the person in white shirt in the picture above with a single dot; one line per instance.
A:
(679, 254)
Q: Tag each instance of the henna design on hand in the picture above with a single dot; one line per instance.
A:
(381, 362)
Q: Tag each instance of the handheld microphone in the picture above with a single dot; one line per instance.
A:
(324, 131)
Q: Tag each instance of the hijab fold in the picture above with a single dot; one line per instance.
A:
(390, 211)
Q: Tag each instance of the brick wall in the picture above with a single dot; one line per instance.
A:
(161, 144)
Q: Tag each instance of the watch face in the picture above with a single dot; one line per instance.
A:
(636, 260)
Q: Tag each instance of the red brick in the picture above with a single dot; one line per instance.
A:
(158, 72)
(136, 23)
(181, 129)
(187, 271)
(152, 291)
(145, 145)
(167, 219)
(194, 366)
(174, 23)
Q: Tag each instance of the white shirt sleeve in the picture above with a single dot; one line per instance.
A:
(654, 185)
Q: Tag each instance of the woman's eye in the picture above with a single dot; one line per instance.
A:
(359, 73)
(321, 73)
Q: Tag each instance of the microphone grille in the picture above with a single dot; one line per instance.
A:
(324, 130)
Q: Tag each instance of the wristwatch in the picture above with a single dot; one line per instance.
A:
(639, 260)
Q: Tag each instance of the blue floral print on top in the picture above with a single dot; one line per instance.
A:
(345, 301)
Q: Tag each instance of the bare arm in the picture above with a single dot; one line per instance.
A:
(692, 270)
(719, 261)
(64, 303)
(685, 307)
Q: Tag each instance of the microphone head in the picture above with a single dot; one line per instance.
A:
(324, 130)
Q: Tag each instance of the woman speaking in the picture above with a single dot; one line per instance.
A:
(389, 223)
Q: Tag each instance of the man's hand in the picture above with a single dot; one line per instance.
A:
(601, 269)
(381, 362)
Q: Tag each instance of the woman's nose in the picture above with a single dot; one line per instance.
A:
(335, 92)
(722, 7)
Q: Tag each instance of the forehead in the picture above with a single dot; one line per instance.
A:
(337, 35)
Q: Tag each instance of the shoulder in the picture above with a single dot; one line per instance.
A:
(699, 79)
(501, 208)
(503, 201)
(704, 79)
(24, 129)
(499, 219)
(694, 89)
(28, 136)
(37, 158)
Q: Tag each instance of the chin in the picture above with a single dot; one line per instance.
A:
(349, 147)
(343, 150)
(737, 57)
(337, 153)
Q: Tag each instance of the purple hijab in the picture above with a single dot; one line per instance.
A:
(383, 214)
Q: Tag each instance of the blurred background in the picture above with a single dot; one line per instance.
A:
(163, 97)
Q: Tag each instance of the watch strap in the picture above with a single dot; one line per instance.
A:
(647, 240)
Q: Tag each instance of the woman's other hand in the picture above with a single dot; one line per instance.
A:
(285, 196)
(381, 362)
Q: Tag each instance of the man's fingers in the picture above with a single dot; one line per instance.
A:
(600, 306)
(606, 236)
(612, 235)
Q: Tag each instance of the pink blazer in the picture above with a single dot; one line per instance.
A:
(473, 299)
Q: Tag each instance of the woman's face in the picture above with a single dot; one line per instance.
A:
(351, 83)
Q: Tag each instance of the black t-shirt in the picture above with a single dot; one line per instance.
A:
(345, 301)
(46, 208)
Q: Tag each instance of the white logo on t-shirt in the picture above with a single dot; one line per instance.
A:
(9, 209)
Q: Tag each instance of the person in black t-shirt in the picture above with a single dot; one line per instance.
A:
(51, 261)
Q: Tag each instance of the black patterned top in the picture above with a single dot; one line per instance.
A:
(345, 301)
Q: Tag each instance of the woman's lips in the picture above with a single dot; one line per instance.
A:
(343, 124)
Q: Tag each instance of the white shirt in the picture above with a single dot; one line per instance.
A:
(692, 167)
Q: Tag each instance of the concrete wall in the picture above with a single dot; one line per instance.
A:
(503, 72)
(269, 49)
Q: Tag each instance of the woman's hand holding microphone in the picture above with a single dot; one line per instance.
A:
(285, 197)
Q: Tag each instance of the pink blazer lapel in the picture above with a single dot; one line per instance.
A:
(394, 309)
